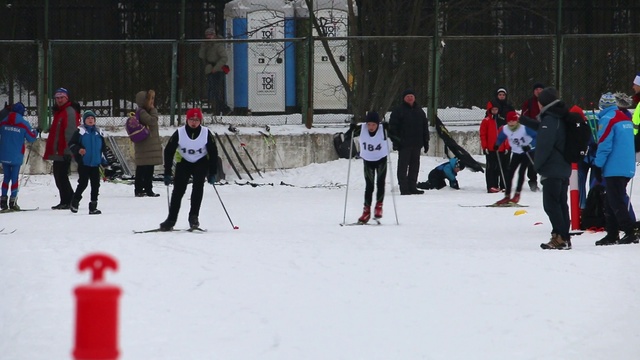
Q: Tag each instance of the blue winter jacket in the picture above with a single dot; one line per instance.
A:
(447, 168)
(616, 151)
(14, 130)
(91, 139)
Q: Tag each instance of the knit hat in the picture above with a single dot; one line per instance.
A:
(501, 89)
(512, 116)
(210, 31)
(578, 110)
(607, 100)
(408, 92)
(18, 108)
(62, 91)
(623, 100)
(636, 80)
(548, 95)
(372, 117)
(194, 113)
(86, 114)
(538, 86)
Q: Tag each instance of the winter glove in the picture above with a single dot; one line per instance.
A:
(211, 179)
(496, 147)
(167, 179)
(485, 151)
(597, 173)
(396, 147)
(426, 149)
(526, 148)
(454, 184)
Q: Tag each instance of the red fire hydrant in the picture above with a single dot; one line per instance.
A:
(97, 312)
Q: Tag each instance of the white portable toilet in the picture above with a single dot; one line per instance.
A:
(260, 68)
(332, 15)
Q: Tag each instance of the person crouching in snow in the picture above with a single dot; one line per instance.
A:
(522, 140)
(14, 130)
(373, 151)
(437, 176)
(87, 146)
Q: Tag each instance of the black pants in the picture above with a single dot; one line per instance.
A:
(519, 163)
(436, 179)
(144, 179)
(492, 170)
(61, 177)
(503, 168)
(370, 169)
(531, 170)
(554, 201)
(185, 170)
(86, 174)
(616, 209)
(408, 168)
(215, 92)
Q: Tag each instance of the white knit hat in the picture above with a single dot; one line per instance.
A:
(636, 81)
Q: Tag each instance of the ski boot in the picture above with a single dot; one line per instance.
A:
(377, 213)
(3, 203)
(167, 225)
(515, 198)
(366, 215)
(93, 208)
(503, 202)
(13, 204)
(193, 222)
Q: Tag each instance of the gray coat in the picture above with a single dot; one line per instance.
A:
(549, 160)
(214, 56)
(148, 151)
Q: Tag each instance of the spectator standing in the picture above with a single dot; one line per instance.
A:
(409, 132)
(148, 152)
(215, 58)
(554, 170)
(531, 108)
(503, 104)
(488, 135)
(66, 118)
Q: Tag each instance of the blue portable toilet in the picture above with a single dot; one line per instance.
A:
(263, 78)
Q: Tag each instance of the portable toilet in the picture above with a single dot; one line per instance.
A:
(260, 69)
(332, 15)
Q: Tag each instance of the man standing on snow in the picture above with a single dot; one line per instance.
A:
(409, 132)
(554, 170)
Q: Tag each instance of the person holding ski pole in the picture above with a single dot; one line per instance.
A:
(14, 130)
(373, 151)
(197, 157)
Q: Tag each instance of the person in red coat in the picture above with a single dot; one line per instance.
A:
(530, 108)
(488, 136)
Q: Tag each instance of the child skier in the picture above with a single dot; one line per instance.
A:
(437, 176)
(14, 130)
(522, 140)
(374, 151)
(87, 146)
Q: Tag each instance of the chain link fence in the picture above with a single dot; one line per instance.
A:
(270, 82)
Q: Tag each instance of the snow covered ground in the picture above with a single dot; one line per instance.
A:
(448, 282)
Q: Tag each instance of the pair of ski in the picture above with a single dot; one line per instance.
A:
(375, 221)
(235, 151)
(496, 205)
(195, 229)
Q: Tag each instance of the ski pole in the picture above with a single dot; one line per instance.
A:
(223, 207)
(346, 194)
(168, 198)
(393, 197)
(504, 180)
(244, 147)
(275, 147)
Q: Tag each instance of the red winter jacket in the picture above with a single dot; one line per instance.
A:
(66, 120)
(489, 135)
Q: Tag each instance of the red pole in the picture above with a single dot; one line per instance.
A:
(575, 197)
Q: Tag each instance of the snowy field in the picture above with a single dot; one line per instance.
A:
(448, 282)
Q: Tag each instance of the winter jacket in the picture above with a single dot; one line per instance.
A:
(91, 139)
(447, 169)
(616, 152)
(530, 108)
(504, 106)
(636, 114)
(214, 55)
(408, 127)
(148, 151)
(518, 137)
(14, 130)
(549, 161)
(66, 120)
(489, 135)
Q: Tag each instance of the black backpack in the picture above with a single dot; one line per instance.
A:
(343, 141)
(593, 214)
(576, 144)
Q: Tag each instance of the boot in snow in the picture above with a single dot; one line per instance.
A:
(13, 204)
(93, 208)
(610, 239)
(75, 203)
(378, 210)
(556, 243)
(503, 202)
(167, 225)
(366, 215)
(3, 203)
(515, 198)
(193, 222)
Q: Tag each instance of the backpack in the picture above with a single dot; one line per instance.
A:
(136, 131)
(576, 144)
(342, 142)
(593, 214)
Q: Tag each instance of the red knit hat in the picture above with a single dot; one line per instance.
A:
(512, 116)
(194, 113)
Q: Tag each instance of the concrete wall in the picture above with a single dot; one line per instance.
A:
(291, 151)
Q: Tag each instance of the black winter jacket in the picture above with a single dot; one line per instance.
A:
(409, 127)
(549, 161)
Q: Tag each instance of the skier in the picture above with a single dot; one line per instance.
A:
(522, 140)
(437, 176)
(197, 157)
(373, 151)
(87, 146)
(14, 130)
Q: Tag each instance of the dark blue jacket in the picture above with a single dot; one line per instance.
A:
(549, 161)
(91, 139)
